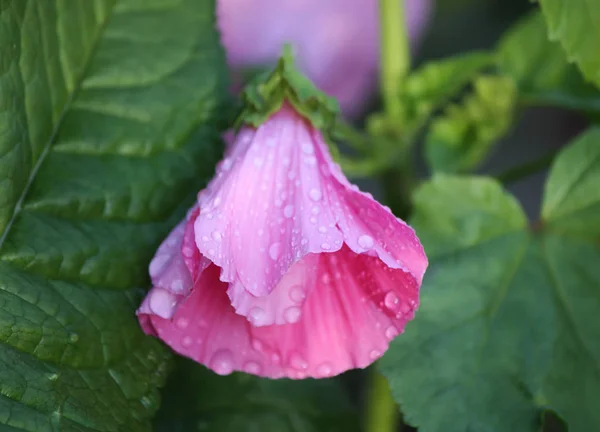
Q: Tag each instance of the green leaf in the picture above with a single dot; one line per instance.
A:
(107, 113)
(432, 85)
(508, 323)
(462, 137)
(197, 399)
(267, 92)
(540, 68)
(576, 25)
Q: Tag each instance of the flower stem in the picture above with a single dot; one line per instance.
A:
(395, 53)
(382, 412)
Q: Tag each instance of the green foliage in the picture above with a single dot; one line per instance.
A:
(267, 92)
(107, 123)
(508, 322)
(197, 399)
(461, 138)
(540, 68)
(576, 25)
(430, 87)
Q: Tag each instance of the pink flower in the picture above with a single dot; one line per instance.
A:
(284, 268)
(336, 42)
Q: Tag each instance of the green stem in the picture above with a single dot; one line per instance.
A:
(528, 168)
(395, 53)
(382, 412)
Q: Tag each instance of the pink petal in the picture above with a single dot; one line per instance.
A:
(279, 197)
(356, 307)
(336, 41)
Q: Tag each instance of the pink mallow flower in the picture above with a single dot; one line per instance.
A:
(283, 268)
(336, 42)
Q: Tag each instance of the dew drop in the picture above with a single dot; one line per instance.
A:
(217, 201)
(73, 338)
(365, 241)
(274, 251)
(288, 211)
(256, 316)
(162, 303)
(313, 220)
(297, 294)
(275, 358)
(258, 162)
(297, 362)
(307, 148)
(286, 161)
(391, 300)
(375, 354)
(205, 238)
(292, 314)
(157, 264)
(53, 376)
(325, 246)
(326, 278)
(257, 345)
(216, 235)
(391, 332)
(315, 210)
(187, 341)
(177, 285)
(252, 368)
(222, 362)
(226, 164)
(187, 252)
(182, 323)
(146, 402)
(324, 370)
(322, 229)
(315, 194)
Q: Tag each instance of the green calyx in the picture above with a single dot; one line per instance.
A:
(266, 94)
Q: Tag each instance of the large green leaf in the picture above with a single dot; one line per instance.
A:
(198, 400)
(463, 136)
(540, 68)
(106, 124)
(508, 325)
(576, 24)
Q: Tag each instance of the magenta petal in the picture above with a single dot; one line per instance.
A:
(355, 308)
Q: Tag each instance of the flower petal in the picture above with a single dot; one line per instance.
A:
(356, 307)
(271, 201)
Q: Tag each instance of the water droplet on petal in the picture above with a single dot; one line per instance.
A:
(222, 362)
(275, 358)
(177, 285)
(297, 362)
(391, 300)
(315, 210)
(322, 230)
(252, 368)
(256, 316)
(375, 354)
(217, 201)
(325, 246)
(292, 314)
(391, 332)
(365, 242)
(187, 341)
(274, 251)
(297, 294)
(326, 278)
(162, 303)
(315, 194)
(258, 162)
(288, 211)
(157, 264)
(307, 148)
(226, 164)
(182, 323)
(324, 370)
(216, 235)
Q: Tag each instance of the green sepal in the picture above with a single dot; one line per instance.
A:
(267, 92)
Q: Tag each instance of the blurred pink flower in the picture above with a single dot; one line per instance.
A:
(284, 268)
(336, 42)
